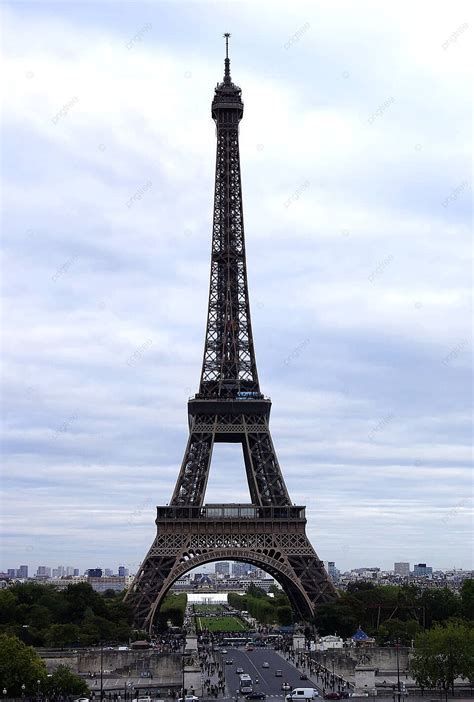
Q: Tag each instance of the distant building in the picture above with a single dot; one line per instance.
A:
(70, 571)
(402, 569)
(23, 571)
(421, 570)
(327, 642)
(43, 572)
(241, 569)
(222, 569)
(332, 571)
(122, 571)
(94, 573)
(108, 572)
(76, 572)
(101, 584)
(11, 573)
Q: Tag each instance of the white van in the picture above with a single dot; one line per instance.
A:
(302, 693)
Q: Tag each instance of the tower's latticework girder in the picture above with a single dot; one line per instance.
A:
(229, 407)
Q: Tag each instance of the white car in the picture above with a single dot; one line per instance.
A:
(189, 698)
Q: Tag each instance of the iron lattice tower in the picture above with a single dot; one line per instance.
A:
(229, 407)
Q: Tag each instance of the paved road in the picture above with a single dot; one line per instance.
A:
(251, 662)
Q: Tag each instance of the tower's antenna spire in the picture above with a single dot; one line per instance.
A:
(227, 60)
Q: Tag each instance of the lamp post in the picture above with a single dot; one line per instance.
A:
(23, 688)
(397, 644)
(38, 688)
(4, 692)
(184, 651)
(101, 671)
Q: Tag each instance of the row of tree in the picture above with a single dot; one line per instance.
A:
(265, 609)
(24, 673)
(43, 616)
(390, 612)
(443, 654)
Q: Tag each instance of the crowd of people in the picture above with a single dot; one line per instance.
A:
(326, 679)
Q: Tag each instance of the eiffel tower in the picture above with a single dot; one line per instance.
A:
(229, 407)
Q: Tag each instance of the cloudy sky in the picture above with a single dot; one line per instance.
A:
(357, 197)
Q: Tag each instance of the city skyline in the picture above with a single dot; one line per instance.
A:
(360, 305)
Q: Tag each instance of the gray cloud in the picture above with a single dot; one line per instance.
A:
(95, 414)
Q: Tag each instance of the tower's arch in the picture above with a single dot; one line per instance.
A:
(273, 564)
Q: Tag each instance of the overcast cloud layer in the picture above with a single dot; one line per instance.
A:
(357, 197)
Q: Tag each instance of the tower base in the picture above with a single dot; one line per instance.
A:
(272, 538)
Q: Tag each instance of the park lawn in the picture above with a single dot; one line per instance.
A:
(221, 624)
(208, 608)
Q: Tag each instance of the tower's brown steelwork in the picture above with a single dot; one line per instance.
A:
(229, 407)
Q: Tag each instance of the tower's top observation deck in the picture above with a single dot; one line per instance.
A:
(227, 105)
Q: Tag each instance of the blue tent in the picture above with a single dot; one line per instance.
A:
(361, 636)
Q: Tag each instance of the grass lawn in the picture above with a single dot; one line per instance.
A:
(208, 608)
(220, 623)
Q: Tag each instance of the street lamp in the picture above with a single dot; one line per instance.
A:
(101, 671)
(184, 651)
(23, 688)
(397, 644)
(38, 684)
(4, 692)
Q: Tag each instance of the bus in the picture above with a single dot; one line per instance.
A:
(245, 683)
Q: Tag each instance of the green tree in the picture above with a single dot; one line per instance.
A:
(8, 603)
(439, 605)
(467, 599)
(19, 665)
(255, 591)
(80, 598)
(64, 682)
(404, 631)
(61, 635)
(284, 615)
(338, 617)
(442, 654)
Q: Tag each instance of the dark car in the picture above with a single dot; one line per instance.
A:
(255, 696)
(303, 676)
(332, 696)
(229, 661)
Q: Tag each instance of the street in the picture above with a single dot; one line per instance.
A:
(252, 661)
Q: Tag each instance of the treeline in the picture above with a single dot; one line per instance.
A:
(23, 673)
(172, 610)
(390, 612)
(265, 609)
(42, 615)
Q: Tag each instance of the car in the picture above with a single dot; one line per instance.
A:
(239, 670)
(265, 664)
(255, 696)
(332, 696)
(224, 651)
(303, 676)
(278, 674)
(345, 694)
(286, 686)
(82, 699)
(189, 698)
(229, 661)
(249, 647)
